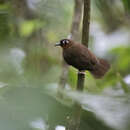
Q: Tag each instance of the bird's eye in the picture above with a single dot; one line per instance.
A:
(63, 42)
(67, 41)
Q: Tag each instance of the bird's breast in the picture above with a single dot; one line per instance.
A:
(68, 56)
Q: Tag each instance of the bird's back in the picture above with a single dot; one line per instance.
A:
(79, 56)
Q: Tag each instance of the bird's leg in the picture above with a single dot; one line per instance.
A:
(81, 72)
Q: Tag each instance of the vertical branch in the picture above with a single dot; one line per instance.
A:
(74, 32)
(80, 81)
(86, 22)
(76, 20)
(85, 39)
(76, 117)
(63, 77)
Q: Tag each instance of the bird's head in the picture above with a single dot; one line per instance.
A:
(64, 43)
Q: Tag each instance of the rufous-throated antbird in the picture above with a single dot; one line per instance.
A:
(80, 57)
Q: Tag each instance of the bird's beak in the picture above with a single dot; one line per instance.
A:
(57, 44)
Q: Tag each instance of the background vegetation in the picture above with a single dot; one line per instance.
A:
(30, 66)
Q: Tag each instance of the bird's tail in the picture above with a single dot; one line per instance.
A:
(100, 69)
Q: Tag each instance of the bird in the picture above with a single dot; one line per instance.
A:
(81, 58)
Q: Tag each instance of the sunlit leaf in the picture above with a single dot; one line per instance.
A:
(28, 27)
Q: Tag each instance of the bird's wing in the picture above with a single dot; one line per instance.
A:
(85, 57)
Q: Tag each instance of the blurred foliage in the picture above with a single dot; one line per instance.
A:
(112, 13)
(29, 63)
(122, 59)
(126, 5)
(28, 27)
(4, 28)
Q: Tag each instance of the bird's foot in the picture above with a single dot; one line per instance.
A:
(81, 72)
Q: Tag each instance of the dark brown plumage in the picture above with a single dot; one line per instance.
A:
(80, 57)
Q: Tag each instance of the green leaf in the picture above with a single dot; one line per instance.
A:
(126, 5)
(28, 27)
